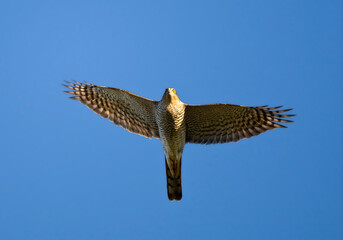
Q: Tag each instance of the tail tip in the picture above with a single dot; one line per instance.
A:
(175, 196)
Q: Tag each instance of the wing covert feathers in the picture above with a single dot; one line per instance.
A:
(221, 123)
(123, 108)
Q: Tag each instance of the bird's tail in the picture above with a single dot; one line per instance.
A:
(174, 181)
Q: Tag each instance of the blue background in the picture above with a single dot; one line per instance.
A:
(66, 173)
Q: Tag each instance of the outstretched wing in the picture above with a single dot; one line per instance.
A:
(221, 123)
(125, 109)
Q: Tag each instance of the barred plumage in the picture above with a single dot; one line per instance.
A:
(176, 123)
(123, 108)
(221, 123)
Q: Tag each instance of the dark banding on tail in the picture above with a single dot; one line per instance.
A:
(174, 187)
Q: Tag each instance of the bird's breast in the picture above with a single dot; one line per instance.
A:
(172, 128)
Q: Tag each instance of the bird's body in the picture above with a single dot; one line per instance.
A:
(176, 123)
(170, 118)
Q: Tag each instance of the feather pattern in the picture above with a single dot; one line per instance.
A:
(123, 108)
(221, 123)
(176, 123)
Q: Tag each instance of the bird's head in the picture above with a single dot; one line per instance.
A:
(170, 96)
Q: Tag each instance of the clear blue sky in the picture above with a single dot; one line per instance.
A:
(67, 173)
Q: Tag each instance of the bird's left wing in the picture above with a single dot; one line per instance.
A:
(221, 123)
(125, 109)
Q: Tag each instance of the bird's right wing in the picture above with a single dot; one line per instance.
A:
(221, 123)
(125, 109)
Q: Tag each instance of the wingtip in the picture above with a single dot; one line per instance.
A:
(72, 92)
(288, 121)
(89, 84)
(76, 98)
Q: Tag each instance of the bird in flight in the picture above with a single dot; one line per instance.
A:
(176, 123)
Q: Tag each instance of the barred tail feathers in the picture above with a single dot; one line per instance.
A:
(174, 187)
